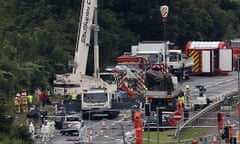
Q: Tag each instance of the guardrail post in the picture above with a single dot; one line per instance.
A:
(158, 122)
(238, 74)
(205, 140)
(178, 132)
(238, 110)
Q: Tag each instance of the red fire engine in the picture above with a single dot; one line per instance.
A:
(235, 46)
(210, 57)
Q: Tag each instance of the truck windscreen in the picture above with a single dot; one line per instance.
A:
(109, 78)
(173, 57)
(95, 97)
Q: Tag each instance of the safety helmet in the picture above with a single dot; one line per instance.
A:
(187, 86)
(18, 94)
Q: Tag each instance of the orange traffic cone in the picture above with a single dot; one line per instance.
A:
(194, 141)
(104, 127)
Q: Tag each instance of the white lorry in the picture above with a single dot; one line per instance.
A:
(156, 52)
(180, 64)
(78, 82)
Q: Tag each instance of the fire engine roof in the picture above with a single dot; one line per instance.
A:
(236, 40)
(126, 56)
(206, 45)
(148, 52)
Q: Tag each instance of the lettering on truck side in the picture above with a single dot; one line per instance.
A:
(85, 24)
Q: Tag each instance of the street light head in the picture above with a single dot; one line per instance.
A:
(164, 11)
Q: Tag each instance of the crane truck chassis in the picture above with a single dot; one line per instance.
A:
(162, 93)
(99, 92)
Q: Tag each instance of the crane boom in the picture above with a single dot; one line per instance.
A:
(96, 94)
(84, 33)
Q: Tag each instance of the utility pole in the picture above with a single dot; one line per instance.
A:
(238, 67)
(164, 12)
(123, 134)
(158, 121)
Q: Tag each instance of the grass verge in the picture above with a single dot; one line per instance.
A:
(167, 137)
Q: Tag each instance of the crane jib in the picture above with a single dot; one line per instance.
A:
(85, 23)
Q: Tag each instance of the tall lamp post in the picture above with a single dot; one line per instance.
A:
(164, 12)
(238, 67)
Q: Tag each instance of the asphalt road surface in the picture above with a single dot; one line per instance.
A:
(216, 86)
(103, 132)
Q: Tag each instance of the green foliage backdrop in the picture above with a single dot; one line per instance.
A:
(37, 38)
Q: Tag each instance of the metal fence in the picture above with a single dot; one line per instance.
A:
(200, 115)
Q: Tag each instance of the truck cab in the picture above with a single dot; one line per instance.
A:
(97, 103)
(96, 98)
(112, 82)
(180, 64)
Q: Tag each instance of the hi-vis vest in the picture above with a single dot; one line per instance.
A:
(16, 102)
(74, 96)
(53, 123)
(30, 99)
(181, 98)
(25, 99)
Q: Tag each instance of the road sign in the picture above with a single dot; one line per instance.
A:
(177, 116)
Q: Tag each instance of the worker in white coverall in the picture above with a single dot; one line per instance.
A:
(31, 129)
(45, 131)
(82, 131)
(79, 126)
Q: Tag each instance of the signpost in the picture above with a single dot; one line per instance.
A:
(158, 121)
(238, 104)
(238, 67)
(164, 12)
(238, 111)
(177, 117)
